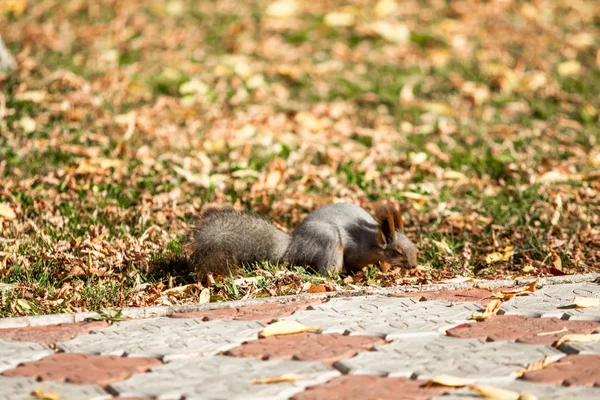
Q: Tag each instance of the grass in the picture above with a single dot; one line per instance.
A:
(113, 139)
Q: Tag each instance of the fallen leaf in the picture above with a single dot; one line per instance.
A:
(339, 19)
(204, 296)
(317, 289)
(6, 211)
(578, 338)
(490, 310)
(500, 256)
(508, 294)
(568, 68)
(585, 302)
(442, 246)
(282, 9)
(535, 366)
(39, 393)
(277, 379)
(458, 279)
(449, 381)
(392, 32)
(286, 327)
(28, 124)
(492, 392)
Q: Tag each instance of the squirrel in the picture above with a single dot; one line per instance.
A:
(339, 237)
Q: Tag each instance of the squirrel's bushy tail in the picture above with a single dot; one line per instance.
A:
(225, 239)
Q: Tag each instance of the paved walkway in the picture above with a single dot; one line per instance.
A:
(381, 346)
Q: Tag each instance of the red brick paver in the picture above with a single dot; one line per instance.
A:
(264, 312)
(470, 295)
(351, 387)
(523, 329)
(83, 368)
(327, 348)
(572, 370)
(51, 333)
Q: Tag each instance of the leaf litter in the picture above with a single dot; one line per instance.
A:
(123, 120)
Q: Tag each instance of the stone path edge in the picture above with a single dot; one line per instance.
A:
(164, 311)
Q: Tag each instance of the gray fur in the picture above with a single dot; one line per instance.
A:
(224, 240)
(349, 230)
(331, 239)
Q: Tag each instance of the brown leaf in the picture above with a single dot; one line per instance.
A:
(535, 366)
(490, 310)
(278, 379)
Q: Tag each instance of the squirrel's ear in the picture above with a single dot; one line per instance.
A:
(398, 221)
(387, 231)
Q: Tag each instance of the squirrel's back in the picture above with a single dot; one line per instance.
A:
(225, 239)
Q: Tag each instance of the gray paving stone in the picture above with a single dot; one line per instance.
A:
(427, 356)
(555, 301)
(12, 353)
(541, 390)
(166, 338)
(388, 317)
(21, 389)
(222, 377)
(581, 348)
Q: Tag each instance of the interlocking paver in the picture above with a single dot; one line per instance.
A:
(572, 370)
(466, 295)
(350, 387)
(327, 348)
(555, 301)
(83, 368)
(385, 316)
(21, 389)
(165, 338)
(523, 329)
(12, 353)
(428, 356)
(49, 334)
(222, 377)
(264, 312)
(581, 348)
(540, 390)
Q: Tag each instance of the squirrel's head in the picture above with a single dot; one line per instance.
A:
(393, 246)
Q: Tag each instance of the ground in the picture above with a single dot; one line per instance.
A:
(125, 118)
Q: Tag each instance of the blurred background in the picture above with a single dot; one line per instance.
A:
(123, 119)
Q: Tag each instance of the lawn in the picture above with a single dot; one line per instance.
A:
(126, 118)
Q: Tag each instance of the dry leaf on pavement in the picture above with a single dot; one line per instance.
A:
(510, 293)
(580, 338)
(585, 302)
(536, 365)
(449, 381)
(492, 392)
(278, 379)
(490, 310)
(286, 327)
(39, 393)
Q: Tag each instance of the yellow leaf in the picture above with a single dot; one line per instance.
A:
(490, 310)
(392, 32)
(492, 392)
(7, 212)
(585, 302)
(278, 379)
(449, 381)
(453, 175)
(500, 256)
(39, 393)
(535, 366)
(385, 7)
(339, 19)
(458, 279)
(282, 9)
(579, 338)
(28, 124)
(286, 327)
(14, 7)
(569, 68)
(204, 296)
(508, 294)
